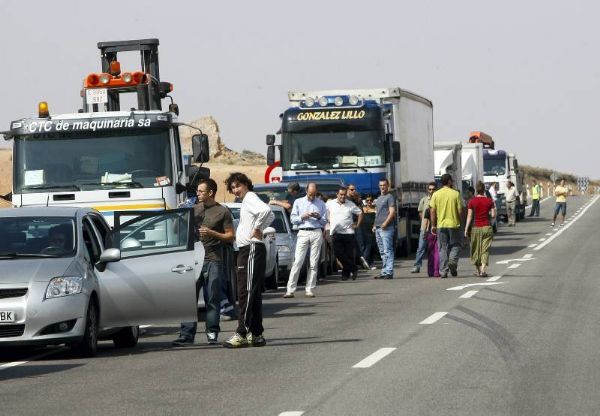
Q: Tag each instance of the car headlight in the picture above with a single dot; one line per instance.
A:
(283, 249)
(64, 286)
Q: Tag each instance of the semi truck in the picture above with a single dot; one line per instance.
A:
(500, 167)
(102, 156)
(448, 159)
(361, 137)
(472, 164)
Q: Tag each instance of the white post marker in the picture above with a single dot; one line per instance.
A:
(373, 358)
(433, 318)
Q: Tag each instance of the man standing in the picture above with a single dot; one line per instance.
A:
(511, 202)
(215, 227)
(561, 193)
(359, 236)
(310, 215)
(446, 213)
(385, 220)
(423, 205)
(287, 203)
(536, 191)
(340, 214)
(255, 216)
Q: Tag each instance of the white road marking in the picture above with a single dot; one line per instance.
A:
(468, 294)
(559, 232)
(292, 413)
(514, 266)
(473, 284)
(532, 245)
(493, 278)
(548, 234)
(542, 239)
(145, 326)
(528, 256)
(433, 318)
(35, 357)
(376, 356)
(513, 260)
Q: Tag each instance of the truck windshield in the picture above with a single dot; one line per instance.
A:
(72, 161)
(333, 150)
(494, 167)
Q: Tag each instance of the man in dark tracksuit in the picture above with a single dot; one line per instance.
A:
(255, 216)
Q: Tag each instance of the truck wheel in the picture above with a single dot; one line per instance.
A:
(88, 346)
(127, 337)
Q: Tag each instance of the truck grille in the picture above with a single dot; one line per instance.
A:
(7, 331)
(12, 293)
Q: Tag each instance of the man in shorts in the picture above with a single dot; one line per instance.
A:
(560, 192)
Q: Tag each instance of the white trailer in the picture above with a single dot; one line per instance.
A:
(448, 159)
(472, 164)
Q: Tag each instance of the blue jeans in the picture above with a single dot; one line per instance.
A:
(385, 243)
(210, 282)
(450, 243)
(421, 250)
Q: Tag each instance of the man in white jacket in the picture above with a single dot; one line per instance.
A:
(255, 216)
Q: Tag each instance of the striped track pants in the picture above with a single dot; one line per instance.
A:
(251, 264)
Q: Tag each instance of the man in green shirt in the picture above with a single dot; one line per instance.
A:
(446, 214)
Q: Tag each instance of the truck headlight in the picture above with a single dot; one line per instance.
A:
(283, 249)
(64, 286)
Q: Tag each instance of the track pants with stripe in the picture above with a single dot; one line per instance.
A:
(251, 264)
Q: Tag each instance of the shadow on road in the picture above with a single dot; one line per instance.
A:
(34, 370)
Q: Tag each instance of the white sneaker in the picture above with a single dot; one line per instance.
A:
(212, 338)
(309, 295)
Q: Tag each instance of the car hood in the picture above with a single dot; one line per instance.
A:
(33, 270)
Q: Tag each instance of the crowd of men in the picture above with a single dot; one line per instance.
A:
(444, 224)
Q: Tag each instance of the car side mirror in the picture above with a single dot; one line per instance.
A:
(270, 155)
(180, 188)
(396, 151)
(270, 139)
(110, 255)
(200, 148)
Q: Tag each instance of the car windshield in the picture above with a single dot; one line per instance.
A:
(333, 150)
(72, 161)
(37, 237)
(494, 166)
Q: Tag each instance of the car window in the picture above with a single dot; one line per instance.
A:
(45, 236)
(90, 240)
(140, 234)
(103, 231)
(279, 223)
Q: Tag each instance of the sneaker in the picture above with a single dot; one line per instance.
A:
(288, 295)
(212, 338)
(225, 317)
(552, 225)
(309, 294)
(444, 275)
(453, 271)
(344, 278)
(236, 341)
(353, 276)
(256, 340)
(183, 342)
(415, 270)
(373, 268)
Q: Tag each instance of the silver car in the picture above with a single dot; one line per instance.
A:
(62, 282)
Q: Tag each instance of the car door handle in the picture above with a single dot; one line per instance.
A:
(181, 269)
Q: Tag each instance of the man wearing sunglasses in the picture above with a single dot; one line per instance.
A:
(423, 205)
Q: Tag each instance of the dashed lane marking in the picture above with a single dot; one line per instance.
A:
(433, 318)
(461, 287)
(376, 356)
(468, 294)
(532, 245)
(493, 278)
(34, 358)
(528, 256)
(542, 239)
(514, 266)
(292, 413)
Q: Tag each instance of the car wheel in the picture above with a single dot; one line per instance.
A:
(271, 281)
(127, 337)
(88, 346)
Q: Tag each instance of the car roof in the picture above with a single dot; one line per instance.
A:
(45, 211)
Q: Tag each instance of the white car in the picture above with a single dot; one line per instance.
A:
(272, 264)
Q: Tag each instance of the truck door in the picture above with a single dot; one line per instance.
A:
(155, 280)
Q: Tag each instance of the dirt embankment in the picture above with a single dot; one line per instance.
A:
(5, 174)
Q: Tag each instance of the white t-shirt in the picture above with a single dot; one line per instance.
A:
(511, 194)
(340, 216)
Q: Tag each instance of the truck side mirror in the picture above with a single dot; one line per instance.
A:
(270, 139)
(270, 155)
(396, 151)
(200, 148)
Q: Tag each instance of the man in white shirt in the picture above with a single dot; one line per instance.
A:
(511, 202)
(340, 213)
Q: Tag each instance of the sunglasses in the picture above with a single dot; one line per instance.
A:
(431, 189)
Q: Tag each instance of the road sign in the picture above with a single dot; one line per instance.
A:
(274, 173)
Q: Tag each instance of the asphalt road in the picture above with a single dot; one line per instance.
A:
(524, 342)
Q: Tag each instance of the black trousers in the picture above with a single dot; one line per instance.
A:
(251, 264)
(343, 247)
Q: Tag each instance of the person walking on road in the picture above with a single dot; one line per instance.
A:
(293, 193)
(310, 215)
(255, 216)
(480, 209)
(511, 202)
(423, 206)
(536, 191)
(215, 228)
(340, 215)
(433, 250)
(446, 213)
(359, 236)
(385, 221)
(561, 193)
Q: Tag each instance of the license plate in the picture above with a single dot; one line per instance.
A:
(96, 96)
(7, 317)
